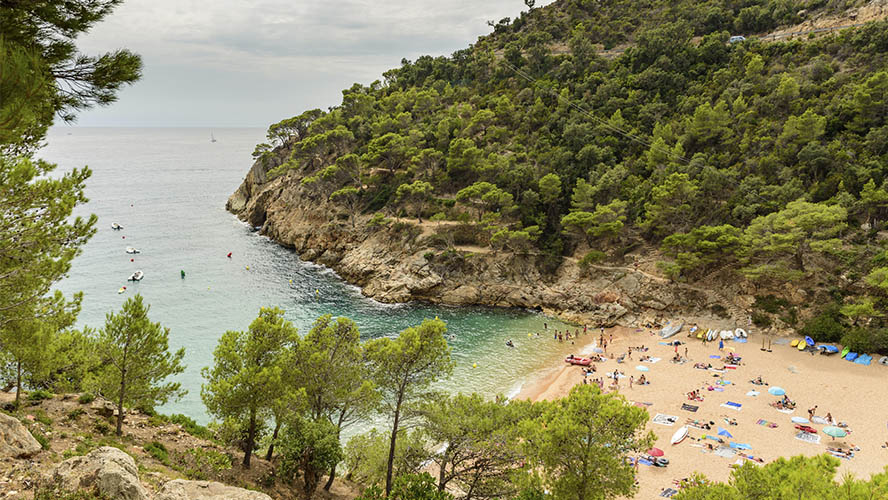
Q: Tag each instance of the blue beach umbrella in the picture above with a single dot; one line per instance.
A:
(776, 391)
(724, 432)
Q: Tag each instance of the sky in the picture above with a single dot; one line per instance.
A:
(240, 63)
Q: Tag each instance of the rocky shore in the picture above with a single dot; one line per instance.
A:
(403, 260)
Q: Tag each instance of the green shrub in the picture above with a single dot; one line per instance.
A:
(593, 257)
(102, 428)
(770, 303)
(190, 426)
(75, 413)
(41, 438)
(826, 326)
(158, 451)
(866, 340)
(761, 320)
(428, 256)
(203, 464)
(42, 417)
(40, 395)
(378, 220)
(49, 493)
(86, 398)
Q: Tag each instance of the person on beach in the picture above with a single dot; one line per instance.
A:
(686, 352)
(721, 345)
(812, 411)
(631, 379)
(829, 418)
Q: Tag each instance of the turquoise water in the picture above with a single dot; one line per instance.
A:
(168, 187)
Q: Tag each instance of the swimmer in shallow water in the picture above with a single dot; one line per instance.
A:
(509, 343)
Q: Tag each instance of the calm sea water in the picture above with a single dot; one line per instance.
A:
(168, 187)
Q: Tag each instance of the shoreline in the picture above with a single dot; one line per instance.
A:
(852, 393)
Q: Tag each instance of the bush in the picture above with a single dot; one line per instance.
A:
(86, 398)
(826, 326)
(42, 417)
(102, 428)
(865, 340)
(204, 464)
(761, 320)
(45, 493)
(190, 426)
(593, 257)
(770, 303)
(41, 438)
(158, 451)
(40, 395)
(75, 413)
(378, 220)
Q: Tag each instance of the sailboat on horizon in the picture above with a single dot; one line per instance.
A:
(212, 137)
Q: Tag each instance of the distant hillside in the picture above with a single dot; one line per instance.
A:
(753, 162)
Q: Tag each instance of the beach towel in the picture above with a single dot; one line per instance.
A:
(643, 461)
(652, 360)
(769, 425)
(731, 367)
(740, 446)
(741, 340)
(724, 452)
(713, 356)
(723, 382)
(793, 369)
(808, 438)
(663, 419)
(688, 407)
(784, 410)
(840, 455)
(732, 405)
(668, 493)
(753, 394)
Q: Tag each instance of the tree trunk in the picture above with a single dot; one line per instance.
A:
(329, 482)
(443, 471)
(799, 258)
(391, 457)
(274, 435)
(18, 383)
(251, 438)
(119, 430)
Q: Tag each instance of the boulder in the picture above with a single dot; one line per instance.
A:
(15, 440)
(108, 470)
(179, 489)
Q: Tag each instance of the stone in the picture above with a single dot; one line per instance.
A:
(108, 470)
(103, 407)
(15, 440)
(180, 489)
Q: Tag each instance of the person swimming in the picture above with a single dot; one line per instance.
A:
(509, 343)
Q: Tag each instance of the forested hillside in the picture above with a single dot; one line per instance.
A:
(767, 160)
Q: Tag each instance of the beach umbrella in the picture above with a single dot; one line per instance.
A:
(776, 391)
(835, 432)
(655, 452)
(800, 420)
(724, 432)
(809, 341)
(641, 368)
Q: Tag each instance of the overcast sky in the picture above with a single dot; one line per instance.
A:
(239, 63)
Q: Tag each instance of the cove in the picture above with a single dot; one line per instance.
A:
(167, 188)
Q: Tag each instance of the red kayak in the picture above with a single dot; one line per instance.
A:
(577, 361)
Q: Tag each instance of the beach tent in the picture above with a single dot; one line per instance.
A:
(835, 432)
(724, 432)
(776, 391)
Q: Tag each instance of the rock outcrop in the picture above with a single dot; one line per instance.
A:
(180, 489)
(15, 440)
(107, 470)
(409, 262)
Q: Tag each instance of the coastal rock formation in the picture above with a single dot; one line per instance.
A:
(15, 440)
(108, 470)
(180, 489)
(408, 262)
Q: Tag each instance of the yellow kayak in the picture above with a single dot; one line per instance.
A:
(794, 343)
(802, 345)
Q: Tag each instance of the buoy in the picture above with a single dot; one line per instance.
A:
(123, 237)
(132, 260)
(528, 335)
(229, 255)
(248, 268)
(317, 291)
(474, 365)
(291, 282)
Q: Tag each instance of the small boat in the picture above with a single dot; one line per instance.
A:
(136, 276)
(851, 356)
(115, 226)
(712, 335)
(883, 360)
(845, 352)
(740, 333)
(670, 330)
(132, 250)
(794, 343)
(212, 137)
(679, 435)
(802, 346)
(121, 289)
(577, 361)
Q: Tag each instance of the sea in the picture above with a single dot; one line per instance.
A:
(167, 187)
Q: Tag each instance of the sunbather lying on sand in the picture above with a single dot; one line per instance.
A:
(758, 381)
(702, 366)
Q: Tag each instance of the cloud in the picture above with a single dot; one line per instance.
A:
(303, 52)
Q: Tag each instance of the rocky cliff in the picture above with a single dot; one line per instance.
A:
(401, 260)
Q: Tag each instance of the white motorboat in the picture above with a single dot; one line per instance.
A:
(132, 250)
(136, 276)
(115, 226)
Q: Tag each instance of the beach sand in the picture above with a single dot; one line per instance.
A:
(852, 393)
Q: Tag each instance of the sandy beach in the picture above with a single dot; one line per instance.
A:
(852, 393)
